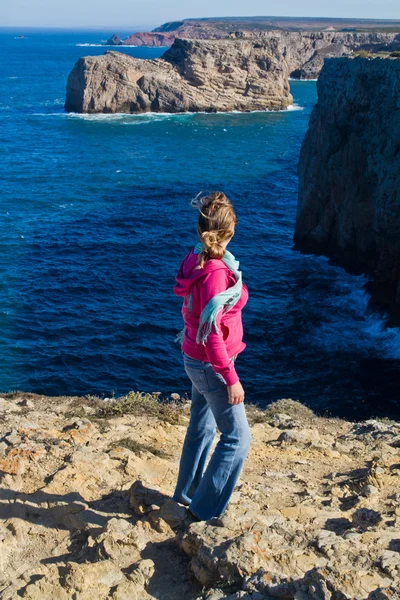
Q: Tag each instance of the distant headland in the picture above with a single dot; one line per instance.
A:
(244, 71)
(220, 28)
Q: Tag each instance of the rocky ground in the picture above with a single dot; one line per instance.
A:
(86, 510)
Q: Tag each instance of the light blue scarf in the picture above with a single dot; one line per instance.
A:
(222, 301)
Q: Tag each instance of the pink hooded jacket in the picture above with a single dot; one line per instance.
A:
(203, 284)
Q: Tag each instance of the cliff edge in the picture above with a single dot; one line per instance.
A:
(304, 51)
(192, 76)
(349, 170)
(87, 513)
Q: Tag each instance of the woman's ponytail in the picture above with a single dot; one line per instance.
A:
(216, 224)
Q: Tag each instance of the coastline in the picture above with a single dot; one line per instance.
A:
(318, 496)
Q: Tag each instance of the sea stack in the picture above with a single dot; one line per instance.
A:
(349, 171)
(114, 40)
(192, 76)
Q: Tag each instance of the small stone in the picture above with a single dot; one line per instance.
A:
(158, 523)
(127, 590)
(352, 535)
(99, 576)
(331, 453)
(390, 562)
(18, 528)
(142, 500)
(173, 513)
(282, 421)
(293, 436)
(142, 573)
(290, 512)
(26, 402)
(7, 406)
(13, 438)
(369, 490)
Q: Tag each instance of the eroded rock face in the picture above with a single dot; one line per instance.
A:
(149, 38)
(167, 34)
(349, 170)
(192, 76)
(114, 40)
(305, 51)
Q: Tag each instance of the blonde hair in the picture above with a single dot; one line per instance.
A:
(216, 224)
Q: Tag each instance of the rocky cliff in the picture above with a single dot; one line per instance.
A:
(148, 38)
(349, 170)
(305, 51)
(86, 509)
(217, 28)
(211, 76)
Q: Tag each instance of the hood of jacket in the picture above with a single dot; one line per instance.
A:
(188, 274)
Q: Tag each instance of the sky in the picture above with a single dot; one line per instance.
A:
(147, 14)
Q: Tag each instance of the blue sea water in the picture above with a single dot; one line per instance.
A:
(95, 220)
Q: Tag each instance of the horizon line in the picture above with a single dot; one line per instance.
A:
(147, 26)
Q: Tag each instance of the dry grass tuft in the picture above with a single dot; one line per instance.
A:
(138, 447)
(140, 403)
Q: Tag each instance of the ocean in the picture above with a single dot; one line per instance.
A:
(96, 218)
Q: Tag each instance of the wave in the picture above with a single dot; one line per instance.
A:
(99, 45)
(146, 117)
(346, 309)
(301, 80)
(164, 115)
(150, 116)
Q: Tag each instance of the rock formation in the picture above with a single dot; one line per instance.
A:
(114, 40)
(193, 76)
(349, 170)
(305, 51)
(167, 34)
(149, 38)
(86, 509)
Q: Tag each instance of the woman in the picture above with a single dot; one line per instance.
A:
(210, 283)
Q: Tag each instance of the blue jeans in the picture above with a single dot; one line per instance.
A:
(208, 494)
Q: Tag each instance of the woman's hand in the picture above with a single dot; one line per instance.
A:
(235, 393)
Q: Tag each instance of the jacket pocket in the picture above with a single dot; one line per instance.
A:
(225, 331)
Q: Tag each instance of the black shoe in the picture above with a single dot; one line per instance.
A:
(192, 516)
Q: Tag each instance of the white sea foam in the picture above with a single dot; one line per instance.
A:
(98, 45)
(346, 309)
(125, 116)
(145, 117)
(295, 107)
(301, 80)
